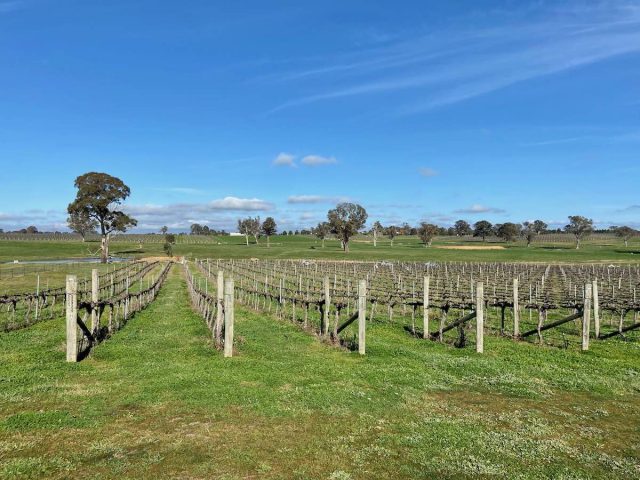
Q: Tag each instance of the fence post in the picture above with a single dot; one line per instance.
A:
(228, 317)
(480, 317)
(596, 308)
(72, 315)
(425, 308)
(217, 331)
(37, 296)
(586, 317)
(362, 316)
(516, 310)
(95, 294)
(327, 305)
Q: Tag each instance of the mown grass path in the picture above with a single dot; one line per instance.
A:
(157, 401)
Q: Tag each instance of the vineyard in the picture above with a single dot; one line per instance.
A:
(521, 300)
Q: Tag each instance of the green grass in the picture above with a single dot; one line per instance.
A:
(157, 401)
(405, 248)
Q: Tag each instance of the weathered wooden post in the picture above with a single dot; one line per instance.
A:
(480, 317)
(72, 315)
(425, 308)
(327, 305)
(37, 296)
(95, 294)
(362, 316)
(516, 310)
(217, 331)
(596, 308)
(586, 317)
(228, 317)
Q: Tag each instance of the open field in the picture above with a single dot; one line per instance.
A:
(404, 248)
(157, 400)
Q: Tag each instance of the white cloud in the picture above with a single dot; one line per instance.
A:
(315, 160)
(315, 199)
(427, 172)
(476, 208)
(235, 203)
(285, 160)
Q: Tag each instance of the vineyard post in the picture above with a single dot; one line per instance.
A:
(425, 309)
(325, 310)
(95, 290)
(228, 317)
(516, 310)
(596, 308)
(72, 315)
(480, 318)
(37, 296)
(586, 317)
(217, 331)
(362, 316)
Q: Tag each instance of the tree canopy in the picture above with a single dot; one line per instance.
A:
(346, 220)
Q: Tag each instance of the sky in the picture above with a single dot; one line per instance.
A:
(419, 111)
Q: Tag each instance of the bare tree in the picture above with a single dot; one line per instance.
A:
(426, 232)
(98, 198)
(580, 227)
(391, 232)
(626, 233)
(377, 229)
(346, 220)
(249, 227)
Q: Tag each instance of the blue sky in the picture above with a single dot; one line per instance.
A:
(209, 111)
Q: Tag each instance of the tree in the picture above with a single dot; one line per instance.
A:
(169, 241)
(426, 232)
(164, 230)
(249, 226)
(391, 232)
(528, 231)
(377, 229)
(482, 229)
(462, 228)
(580, 227)
(539, 227)
(625, 233)
(269, 228)
(345, 220)
(509, 231)
(31, 229)
(98, 197)
(82, 224)
(321, 231)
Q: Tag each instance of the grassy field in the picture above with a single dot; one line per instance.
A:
(405, 248)
(158, 401)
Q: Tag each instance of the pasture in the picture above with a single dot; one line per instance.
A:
(156, 399)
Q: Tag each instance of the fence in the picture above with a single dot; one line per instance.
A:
(80, 337)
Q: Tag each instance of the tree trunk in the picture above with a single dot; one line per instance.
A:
(246, 239)
(104, 249)
(323, 243)
(345, 246)
(256, 239)
(577, 243)
(626, 242)
(268, 245)
(392, 242)
(375, 239)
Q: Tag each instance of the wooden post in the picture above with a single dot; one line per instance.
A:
(228, 317)
(327, 305)
(37, 296)
(425, 308)
(516, 310)
(586, 317)
(72, 315)
(596, 308)
(95, 293)
(480, 318)
(362, 316)
(217, 331)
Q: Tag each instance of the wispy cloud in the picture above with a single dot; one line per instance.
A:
(284, 160)
(311, 199)
(477, 208)
(315, 160)
(427, 172)
(455, 65)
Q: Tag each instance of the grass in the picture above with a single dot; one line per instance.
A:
(157, 401)
(404, 248)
